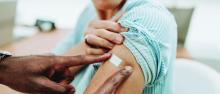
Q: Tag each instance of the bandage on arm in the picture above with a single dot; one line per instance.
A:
(133, 85)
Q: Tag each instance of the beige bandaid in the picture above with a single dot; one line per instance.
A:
(115, 60)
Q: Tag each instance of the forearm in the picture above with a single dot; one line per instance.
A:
(107, 69)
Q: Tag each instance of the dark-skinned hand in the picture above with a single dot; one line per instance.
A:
(43, 74)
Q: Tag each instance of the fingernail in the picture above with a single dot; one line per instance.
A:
(124, 29)
(119, 39)
(127, 70)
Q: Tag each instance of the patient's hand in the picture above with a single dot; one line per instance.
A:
(102, 35)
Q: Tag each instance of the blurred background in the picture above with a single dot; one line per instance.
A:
(197, 66)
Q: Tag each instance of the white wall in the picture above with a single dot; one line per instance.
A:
(186, 3)
(63, 12)
(7, 14)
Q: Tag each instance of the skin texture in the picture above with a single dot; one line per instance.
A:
(101, 37)
(106, 71)
(106, 9)
(51, 74)
(107, 4)
(43, 74)
(113, 82)
(136, 79)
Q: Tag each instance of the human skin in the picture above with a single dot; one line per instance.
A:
(42, 74)
(98, 45)
(106, 9)
(49, 74)
(134, 83)
(112, 6)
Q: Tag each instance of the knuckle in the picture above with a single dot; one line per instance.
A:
(88, 31)
(103, 42)
(89, 38)
(88, 51)
(91, 42)
(100, 51)
(111, 24)
(93, 23)
(106, 44)
(82, 59)
(115, 26)
(100, 31)
(112, 36)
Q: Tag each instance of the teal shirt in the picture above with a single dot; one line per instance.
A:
(152, 39)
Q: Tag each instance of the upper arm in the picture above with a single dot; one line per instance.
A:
(136, 79)
(149, 47)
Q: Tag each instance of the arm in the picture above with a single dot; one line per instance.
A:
(42, 74)
(107, 69)
(99, 37)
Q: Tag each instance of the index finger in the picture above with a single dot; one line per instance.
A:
(107, 24)
(69, 61)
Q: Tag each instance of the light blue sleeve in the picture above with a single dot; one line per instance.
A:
(151, 39)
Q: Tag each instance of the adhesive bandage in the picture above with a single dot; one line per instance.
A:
(115, 60)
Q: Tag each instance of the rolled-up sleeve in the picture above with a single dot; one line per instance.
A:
(148, 40)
